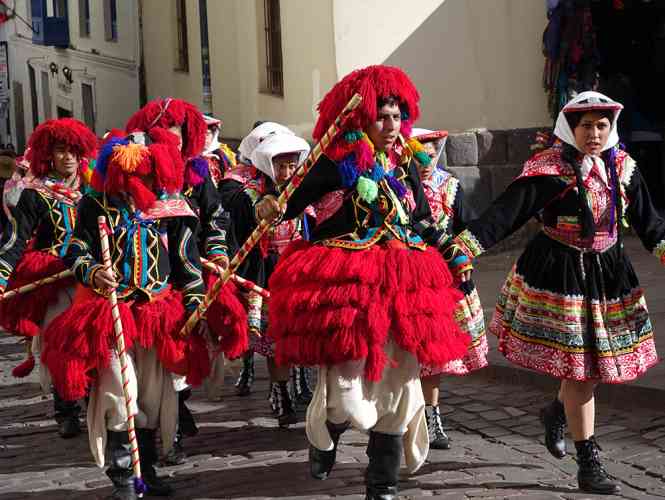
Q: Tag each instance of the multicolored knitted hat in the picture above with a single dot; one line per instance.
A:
(68, 131)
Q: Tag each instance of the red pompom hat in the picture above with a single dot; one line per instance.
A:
(68, 131)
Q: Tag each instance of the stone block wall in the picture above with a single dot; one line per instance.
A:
(486, 162)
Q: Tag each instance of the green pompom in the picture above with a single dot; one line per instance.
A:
(423, 158)
(367, 189)
(353, 136)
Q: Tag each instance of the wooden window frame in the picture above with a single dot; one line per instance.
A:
(182, 42)
(84, 19)
(274, 68)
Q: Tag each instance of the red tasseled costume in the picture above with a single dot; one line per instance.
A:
(227, 318)
(78, 342)
(24, 314)
(330, 305)
(372, 83)
(68, 131)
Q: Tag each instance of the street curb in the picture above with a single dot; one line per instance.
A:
(620, 396)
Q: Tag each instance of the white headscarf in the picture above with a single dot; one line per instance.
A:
(275, 145)
(214, 143)
(257, 135)
(583, 102)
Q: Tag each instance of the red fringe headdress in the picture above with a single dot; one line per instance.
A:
(372, 83)
(73, 133)
(123, 163)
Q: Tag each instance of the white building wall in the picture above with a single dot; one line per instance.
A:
(111, 68)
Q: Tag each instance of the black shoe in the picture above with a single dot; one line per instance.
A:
(553, 418)
(591, 475)
(300, 382)
(438, 439)
(186, 423)
(246, 377)
(120, 467)
(286, 414)
(177, 455)
(148, 457)
(322, 462)
(67, 416)
(384, 452)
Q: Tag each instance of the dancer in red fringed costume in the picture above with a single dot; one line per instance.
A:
(367, 299)
(37, 236)
(157, 275)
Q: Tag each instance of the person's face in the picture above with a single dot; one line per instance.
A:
(285, 166)
(177, 130)
(65, 161)
(592, 132)
(426, 171)
(210, 133)
(384, 131)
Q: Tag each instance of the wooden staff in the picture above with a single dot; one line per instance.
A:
(260, 230)
(121, 351)
(36, 284)
(244, 283)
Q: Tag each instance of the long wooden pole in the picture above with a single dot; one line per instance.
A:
(242, 282)
(36, 284)
(260, 230)
(121, 351)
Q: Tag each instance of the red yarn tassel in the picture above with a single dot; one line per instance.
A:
(25, 368)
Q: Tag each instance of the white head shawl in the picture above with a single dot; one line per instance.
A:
(214, 143)
(257, 135)
(277, 144)
(584, 102)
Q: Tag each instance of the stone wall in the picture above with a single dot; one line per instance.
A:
(485, 162)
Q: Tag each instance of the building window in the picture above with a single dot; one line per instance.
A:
(110, 21)
(60, 8)
(84, 18)
(205, 58)
(19, 117)
(182, 52)
(274, 80)
(88, 105)
(46, 95)
(32, 78)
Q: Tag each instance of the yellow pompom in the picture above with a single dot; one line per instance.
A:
(129, 157)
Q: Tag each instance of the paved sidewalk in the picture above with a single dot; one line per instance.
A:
(241, 454)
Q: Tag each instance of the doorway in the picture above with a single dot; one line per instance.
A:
(631, 50)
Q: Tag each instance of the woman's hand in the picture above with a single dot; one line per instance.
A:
(267, 209)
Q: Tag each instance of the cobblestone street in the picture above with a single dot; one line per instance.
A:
(241, 454)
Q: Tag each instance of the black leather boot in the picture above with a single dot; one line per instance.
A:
(322, 462)
(148, 455)
(384, 452)
(246, 377)
(120, 468)
(300, 381)
(553, 418)
(438, 439)
(67, 416)
(177, 455)
(286, 414)
(591, 475)
(186, 423)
